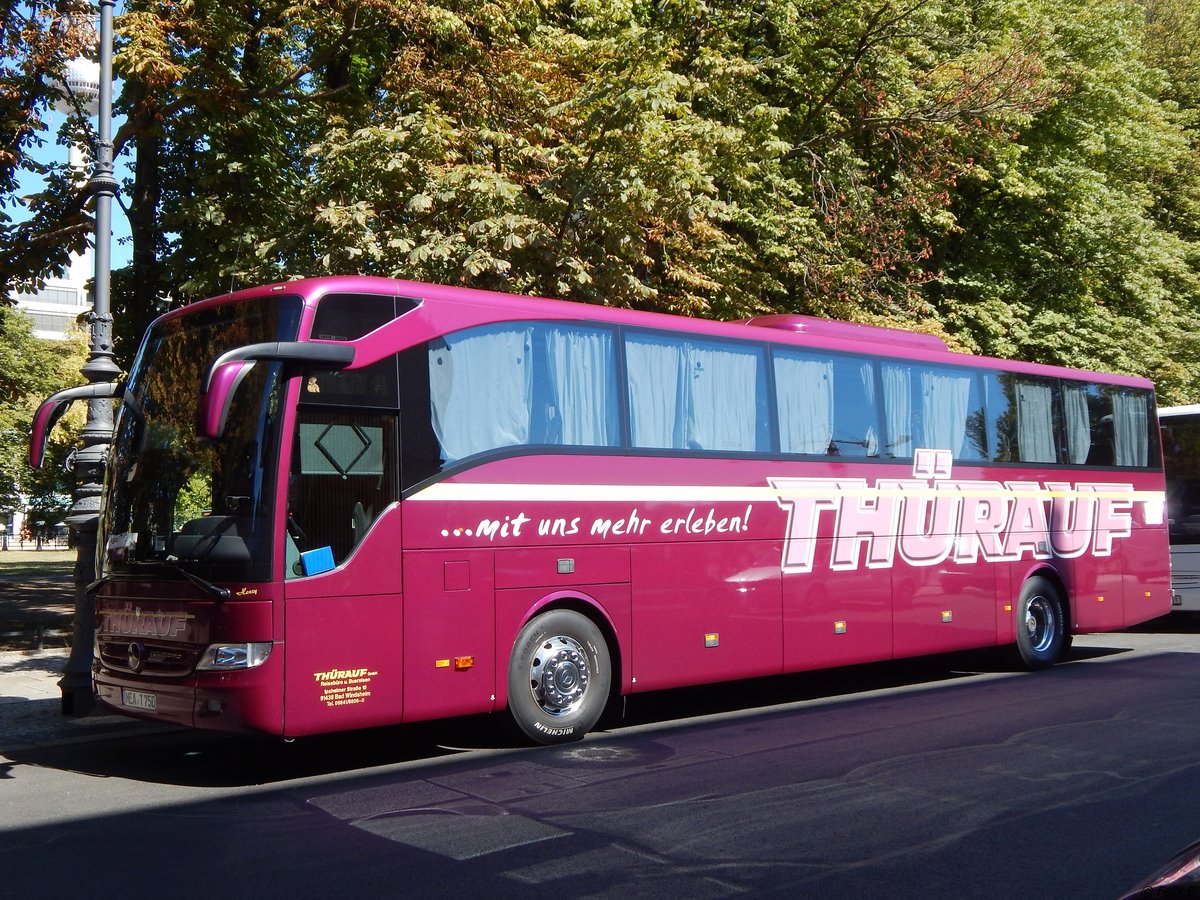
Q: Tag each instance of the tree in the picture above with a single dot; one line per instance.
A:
(1016, 175)
(1062, 251)
(1168, 46)
(711, 159)
(37, 39)
(701, 158)
(221, 102)
(30, 370)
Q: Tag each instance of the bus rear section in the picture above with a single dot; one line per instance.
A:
(1180, 428)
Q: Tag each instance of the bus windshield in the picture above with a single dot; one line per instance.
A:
(205, 508)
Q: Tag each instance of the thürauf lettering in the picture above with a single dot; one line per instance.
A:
(925, 522)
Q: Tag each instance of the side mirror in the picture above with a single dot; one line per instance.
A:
(226, 372)
(55, 405)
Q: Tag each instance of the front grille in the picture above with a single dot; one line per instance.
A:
(164, 660)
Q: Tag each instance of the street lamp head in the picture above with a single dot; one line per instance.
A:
(79, 88)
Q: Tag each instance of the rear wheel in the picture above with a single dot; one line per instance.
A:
(1041, 624)
(559, 677)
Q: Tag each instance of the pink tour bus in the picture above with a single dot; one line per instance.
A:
(349, 502)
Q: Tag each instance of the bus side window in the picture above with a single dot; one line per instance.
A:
(856, 408)
(1106, 425)
(935, 407)
(804, 386)
(573, 395)
(826, 404)
(421, 452)
(1022, 412)
(507, 385)
(695, 393)
(1132, 416)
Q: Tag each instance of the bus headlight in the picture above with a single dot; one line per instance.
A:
(223, 657)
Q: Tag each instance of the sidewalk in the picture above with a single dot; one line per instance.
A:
(35, 628)
(31, 705)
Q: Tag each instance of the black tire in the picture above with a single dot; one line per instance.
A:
(559, 677)
(1041, 624)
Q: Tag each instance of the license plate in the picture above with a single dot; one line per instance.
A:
(139, 700)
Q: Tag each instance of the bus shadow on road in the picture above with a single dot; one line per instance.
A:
(904, 793)
(218, 760)
(1171, 623)
(208, 759)
(1083, 654)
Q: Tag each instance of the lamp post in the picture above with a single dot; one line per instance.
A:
(84, 517)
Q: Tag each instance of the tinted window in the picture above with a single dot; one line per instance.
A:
(1021, 418)
(347, 317)
(1181, 459)
(933, 407)
(692, 394)
(507, 385)
(1045, 420)
(826, 404)
(1106, 425)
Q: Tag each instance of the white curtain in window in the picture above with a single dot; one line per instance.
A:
(1035, 422)
(897, 406)
(1131, 423)
(581, 375)
(657, 397)
(870, 438)
(480, 390)
(944, 398)
(805, 400)
(1079, 424)
(722, 412)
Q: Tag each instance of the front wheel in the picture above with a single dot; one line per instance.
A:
(559, 677)
(1041, 624)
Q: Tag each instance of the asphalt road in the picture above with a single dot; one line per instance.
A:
(948, 778)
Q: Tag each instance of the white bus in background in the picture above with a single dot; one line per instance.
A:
(1181, 460)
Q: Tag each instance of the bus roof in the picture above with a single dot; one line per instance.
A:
(795, 330)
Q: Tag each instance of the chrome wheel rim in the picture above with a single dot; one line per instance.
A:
(558, 675)
(1041, 624)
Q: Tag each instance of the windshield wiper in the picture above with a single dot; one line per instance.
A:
(213, 590)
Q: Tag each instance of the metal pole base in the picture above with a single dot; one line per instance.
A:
(76, 683)
(77, 697)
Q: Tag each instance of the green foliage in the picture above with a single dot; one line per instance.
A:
(710, 159)
(31, 369)
(1065, 248)
(1019, 176)
(37, 39)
